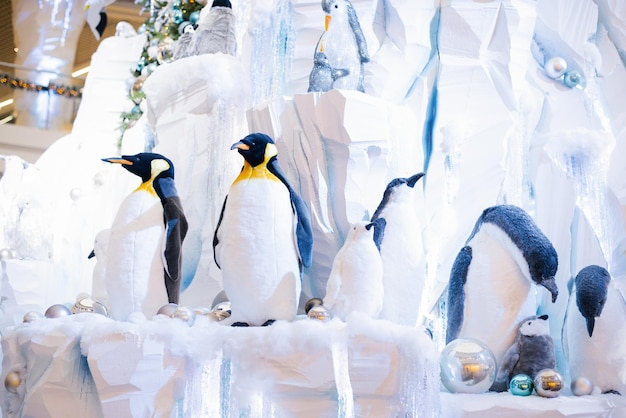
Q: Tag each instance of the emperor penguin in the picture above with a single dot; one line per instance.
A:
(402, 250)
(594, 331)
(355, 283)
(491, 283)
(143, 258)
(216, 30)
(343, 43)
(263, 238)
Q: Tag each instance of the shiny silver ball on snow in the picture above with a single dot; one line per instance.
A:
(76, 193)
(548, 383)
(185, 314)
(57, 311)
(581, 386)
(31, 316)
(167, 310)
(555, 67)
(467, 365)
(319, 313)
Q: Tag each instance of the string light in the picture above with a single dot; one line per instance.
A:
(61, 90)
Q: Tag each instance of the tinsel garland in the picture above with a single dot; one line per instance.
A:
(61, 90)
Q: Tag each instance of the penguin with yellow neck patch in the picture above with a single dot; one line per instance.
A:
(144, 252)
(263, 238)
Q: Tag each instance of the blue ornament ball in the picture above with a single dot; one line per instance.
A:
(572, 78)
(521, 385)
(467, 365)
(194, 17)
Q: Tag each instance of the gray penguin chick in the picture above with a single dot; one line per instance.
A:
(323, 76)
(532, 352)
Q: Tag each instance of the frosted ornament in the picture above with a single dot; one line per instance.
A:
(467, 365)
(185, 314)
(581, 386)
(89, 305)
(555, 67)
(165, 52)
(76, 193)
(100, 178)
(572, 78)
(31, 316)
(548, 383)
(57, 311)
(320, 313)
(521, 385)
(167, 310)
(6, 254)
(12, 381)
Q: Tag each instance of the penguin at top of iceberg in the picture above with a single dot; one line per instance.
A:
(343, 43)
(263, 238)
(594, 331)
(216, 30)
(143, 257)
(491, 283)
(322, 77)
(356, 277)
(402, 250)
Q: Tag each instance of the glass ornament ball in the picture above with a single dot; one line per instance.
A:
(167, 310)
(165, 52)
(89, 305)
(177, 16)
(581, 386)
(185, 314)
(6, 254)
(319, 313)
(521, 385)
(467, 365)
(311, 303)
(548, 383)
(12, 381)
(57, 311)
(572, 78)
(136, 90)
(194, 17)
(99, 179)
(31, 316)
(555, 67)
(76, 193)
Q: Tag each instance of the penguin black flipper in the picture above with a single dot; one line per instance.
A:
(456, 293)
(379, 231)
(176, 227)
(304, 230)
(509, 361)
(358, 33)
(216, 241)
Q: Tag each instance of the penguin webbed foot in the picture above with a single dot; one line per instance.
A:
(240, 324)
(612, 392)
(268, 322)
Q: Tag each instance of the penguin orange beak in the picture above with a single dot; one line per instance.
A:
(327, 22)
(116, 160)
(240, 145)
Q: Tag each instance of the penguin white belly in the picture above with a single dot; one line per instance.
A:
(600, 358)
(343, 53)
(402, 253)
(257, 252)
(498, 295)
(134, 269)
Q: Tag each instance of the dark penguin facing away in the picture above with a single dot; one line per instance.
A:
(157, 172)
(591, 292)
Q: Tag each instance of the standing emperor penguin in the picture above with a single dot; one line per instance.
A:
(401, 250)
(490, 290)
(344, 44)
(594, 331)
(216, 30)
(144, 258)
(356, 277)
(263, 238)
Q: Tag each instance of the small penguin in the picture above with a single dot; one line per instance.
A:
(490, 289)
(263, 238)
(402, 250)
(355, 283)
(594, 332)
(323, 76)
(215, 31)
(343, 43)
(532, 352)
(144, 253)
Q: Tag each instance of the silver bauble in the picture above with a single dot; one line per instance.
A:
(57, 311)
(100, 178)
(6, 254)
(467, 365)
(319, 313)
(581, 386)
(167, 310)
(165, 51)
(31, 316)
(185, 314)
(76, 193)
(548, 383)
(12, 381)
(555, 67)
(89, 305)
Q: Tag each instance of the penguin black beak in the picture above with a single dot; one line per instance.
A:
(411, 181)
(92, 254)
(550, 284)
(369, 226)
(117, 160)
(591, 321)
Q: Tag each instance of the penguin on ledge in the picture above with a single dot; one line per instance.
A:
(263, 238)
(143, 270)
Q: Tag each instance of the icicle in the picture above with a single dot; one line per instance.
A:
(345, 398)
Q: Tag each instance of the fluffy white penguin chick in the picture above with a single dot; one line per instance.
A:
(356, 278)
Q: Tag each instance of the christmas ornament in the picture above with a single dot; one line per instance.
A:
(548, 383)
(31, 316)
(136, 90)
(6, 254)
(12, 381)
(167, 310)
(572, 78)
(521, 385)
(467, 365)
(76, 193)
(89, 305)
(201, 310)
(555, 67)
(165, 52)
(100, 178)
(185, 314)
(57, 311)
(581, 386)
(194, 17)
(320, 313)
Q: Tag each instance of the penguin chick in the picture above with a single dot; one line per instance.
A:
(493, 274)
(402, 250)
(144, 253)
(216, 30)
(532, 352)
(355, 281)
(594, 332)
(263, 238)
(323, 76)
